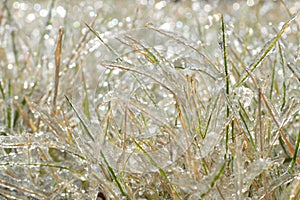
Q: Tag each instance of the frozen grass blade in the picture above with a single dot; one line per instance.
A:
(47, 119)
(183, 42)
(23, 115)
(57, 67)
(214, 180)
(210, 116)
(9, 107)
(293, 71)
(86, 108)
(261, 142)
(268, 47)
(272, 80)
(272, 114)
(161, 171)
(114, 177)
(294, 161)
(85, 126)
(249, 135)
(260, 126)
(224, 48)
(29, 192)
(114, 52)
(16, 54)
(280, 131)
(284, 77)
(2, 90)
(147, 53)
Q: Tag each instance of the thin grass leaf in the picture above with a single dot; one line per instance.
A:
(295, 154)
(224, 48)
(114, 52)
(215, 179)
(9, 107)
(14, 45)
(2, 90)
(293, 71)
(115, 178)
(284, 77)
(23, 114)
(247, 129)
(161, 171)
(272, 80)
(183, 42)
(280, 131)
(57, 56)
(268, 47)
(14, 187)
(86, 108)
(147, 53)
(210, 116)
(85, 126)
(146, 90)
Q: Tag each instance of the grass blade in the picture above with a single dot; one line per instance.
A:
(85, 126)
(224, 48)
(57, 55)
(268, 47)
(115, 178)
(161, 171)
(114, 52)
(295, 154)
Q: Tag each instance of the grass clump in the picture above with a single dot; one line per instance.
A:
(99, 102)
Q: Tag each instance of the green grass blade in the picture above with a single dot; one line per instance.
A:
(295, 154)
(114, 52)
(87, 130)
(210, 116)
(224, 48)
(214, 180)
(115, 178)
(9, 106)
(283, 74)
(2, 90)
(272, 81)
(161, 171)
(86, 108)
(268, 47)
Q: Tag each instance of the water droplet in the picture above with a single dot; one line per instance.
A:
(43, 13)
(61, 11)
(30, 17)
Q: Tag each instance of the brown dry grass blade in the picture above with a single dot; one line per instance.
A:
(57, 55)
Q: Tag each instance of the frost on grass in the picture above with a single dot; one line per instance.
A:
(168, 100)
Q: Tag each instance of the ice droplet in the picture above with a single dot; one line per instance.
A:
(245, 96)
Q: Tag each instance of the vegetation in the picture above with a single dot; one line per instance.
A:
(169, 100)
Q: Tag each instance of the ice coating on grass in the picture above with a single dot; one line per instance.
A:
(152, 93)
(209, 143)
(244, 95)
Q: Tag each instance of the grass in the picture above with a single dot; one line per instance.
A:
(202, 104)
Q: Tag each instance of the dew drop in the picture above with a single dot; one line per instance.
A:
(43, 13)
(61, 11)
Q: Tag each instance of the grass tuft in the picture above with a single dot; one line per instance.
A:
(149, 104)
